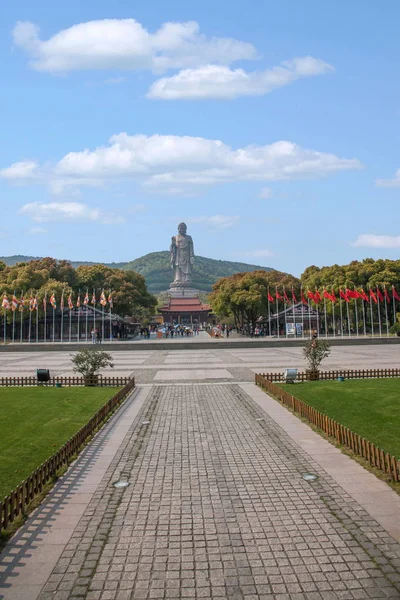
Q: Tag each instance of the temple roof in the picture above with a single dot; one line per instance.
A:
(185, 305)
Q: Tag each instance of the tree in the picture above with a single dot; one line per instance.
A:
(245, 295)
(315, 351)
(88, 362)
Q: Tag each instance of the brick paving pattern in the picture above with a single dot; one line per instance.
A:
(217, 508)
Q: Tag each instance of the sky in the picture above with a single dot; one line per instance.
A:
(270, 128)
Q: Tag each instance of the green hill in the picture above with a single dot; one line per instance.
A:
(10, 261)
(156, 269)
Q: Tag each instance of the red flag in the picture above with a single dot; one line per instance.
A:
(310, 295)
(317, 297)
(363, 295)
(277, 295)
(385, 293)
(110, 300)
(294, 299)
(343, 296)
(270, 298)
(395, 294)
(372, 295)
(352, 294)
(379, 294)
(304, 301)
(285, 297)
(329, 296)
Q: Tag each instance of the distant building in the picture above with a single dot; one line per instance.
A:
(185, 311)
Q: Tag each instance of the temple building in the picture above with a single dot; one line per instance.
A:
(185, 311)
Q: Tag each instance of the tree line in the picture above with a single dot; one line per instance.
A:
(43, 277)
(244, 296)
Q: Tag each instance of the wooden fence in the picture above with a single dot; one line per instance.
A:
(376, 457)
(15, 504)
(65, 381)
(330, 375)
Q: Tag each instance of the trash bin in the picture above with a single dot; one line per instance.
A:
(43, 375)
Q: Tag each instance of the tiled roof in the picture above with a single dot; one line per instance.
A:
(185, 305)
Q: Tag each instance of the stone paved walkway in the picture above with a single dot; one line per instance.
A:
(217, 507)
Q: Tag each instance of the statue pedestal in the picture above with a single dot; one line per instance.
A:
(183, 292)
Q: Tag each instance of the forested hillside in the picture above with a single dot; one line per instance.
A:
(156, 269)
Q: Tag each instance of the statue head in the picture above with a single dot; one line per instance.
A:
(182, 228)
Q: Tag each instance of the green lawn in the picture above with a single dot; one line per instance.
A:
(35, 422)
(369, 407)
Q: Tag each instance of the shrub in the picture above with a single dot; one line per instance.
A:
(395, 328)
(88, 362)
(314, 352)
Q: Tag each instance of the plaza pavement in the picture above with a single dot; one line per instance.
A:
(211, 364)
(216, 505)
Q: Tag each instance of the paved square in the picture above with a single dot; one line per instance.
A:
(216, 507)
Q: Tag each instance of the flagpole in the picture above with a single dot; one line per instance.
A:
(394, 306)
(284, 310)
(102, 322)
(341, 314)
(317, 307)
(333, 315)
(269, 316)
(62, 317)
(5, 324)
(372, 316)
(326, 322)
(37, 320)
(356, 314)
(302, 312)
(30, 318)
(54, 323)
(45, 317)
(94, 309)
(87, 312)
(309, 316)
(109, 297)
(386, 314)
(364, 323)
(294, 317)
(22, 312)
(348, 318)
(79, 311)
(13, 323)
(277, 320)
(379, 315)
(70, 323)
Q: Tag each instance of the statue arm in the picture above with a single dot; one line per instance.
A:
(191, 251)
(173, 252)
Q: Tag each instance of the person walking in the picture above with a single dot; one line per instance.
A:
(93, 334)
(98, 336)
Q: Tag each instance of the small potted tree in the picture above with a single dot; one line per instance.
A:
(88, 363)
(314, 352)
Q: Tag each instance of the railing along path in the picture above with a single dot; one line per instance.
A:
(330, 375)
(383, 461)
(15, 504)
(65, 381)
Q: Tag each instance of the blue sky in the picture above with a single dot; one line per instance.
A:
(272, 131)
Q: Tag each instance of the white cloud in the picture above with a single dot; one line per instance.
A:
(18, 171)
(256, 253)
(162, 162)
(216, 221)
(216, 81)
(265, 193)
(395, 182)
(37, 231)
(370, 240)
(137, 209)
(124, 44)
(43, 212)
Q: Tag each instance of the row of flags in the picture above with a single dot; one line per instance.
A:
(32, 302)
(374, 295)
